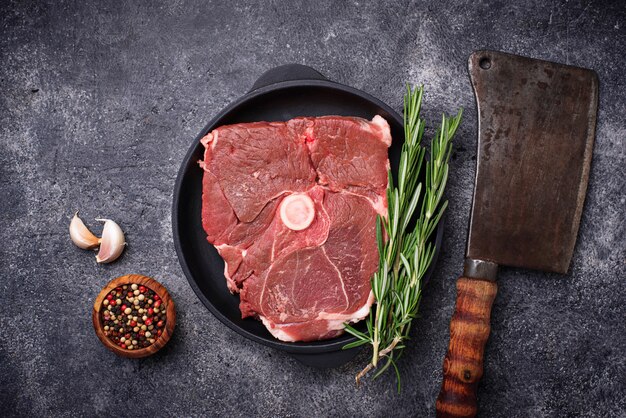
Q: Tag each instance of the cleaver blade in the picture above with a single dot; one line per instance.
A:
(535, 139)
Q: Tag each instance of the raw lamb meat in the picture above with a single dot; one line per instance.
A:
(291, 207)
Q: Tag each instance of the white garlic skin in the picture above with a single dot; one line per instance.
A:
(112, 243)
(81, 235)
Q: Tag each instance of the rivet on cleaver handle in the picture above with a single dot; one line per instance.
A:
(536, 125)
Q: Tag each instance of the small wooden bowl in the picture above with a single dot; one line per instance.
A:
(159, 290)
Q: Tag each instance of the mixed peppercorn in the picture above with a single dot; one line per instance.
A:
(133, 316)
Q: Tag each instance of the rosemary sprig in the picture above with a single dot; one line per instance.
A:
(403, 236)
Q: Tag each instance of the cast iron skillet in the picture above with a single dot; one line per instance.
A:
(280, 94)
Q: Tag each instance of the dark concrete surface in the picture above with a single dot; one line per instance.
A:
(99, 101)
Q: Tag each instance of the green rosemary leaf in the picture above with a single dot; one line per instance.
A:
(388, 363)
(398, 380)
(355, 344)
(351, 330)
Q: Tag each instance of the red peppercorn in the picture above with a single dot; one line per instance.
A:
(110, 296)
(157, 303)
(150, 311)
(130, 294)
(142, 333)
(118, 289)
(156, 297)
(159, 332)
(133, 323)
(148, 321)
(160, 324)
(142, 289)
(127, 336)
(124, 307)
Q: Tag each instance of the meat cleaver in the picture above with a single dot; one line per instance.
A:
(536, 124)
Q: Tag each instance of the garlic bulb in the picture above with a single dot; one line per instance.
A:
(112, 242)
(81, 235)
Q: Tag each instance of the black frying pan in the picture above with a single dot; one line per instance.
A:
(280, 94)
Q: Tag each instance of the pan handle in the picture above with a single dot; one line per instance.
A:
(327, 360)
(287, 72)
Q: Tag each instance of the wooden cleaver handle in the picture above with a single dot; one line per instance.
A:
(463, 364)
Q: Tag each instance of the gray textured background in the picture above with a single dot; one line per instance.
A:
(98, 105)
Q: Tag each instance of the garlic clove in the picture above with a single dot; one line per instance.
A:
(81, 235)
(112, 242)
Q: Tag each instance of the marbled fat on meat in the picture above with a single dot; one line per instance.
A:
(302, 284)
